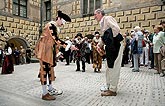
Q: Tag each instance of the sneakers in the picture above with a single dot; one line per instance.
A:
(55, 92)
(104, 88)
(161, 75)
(48, 97)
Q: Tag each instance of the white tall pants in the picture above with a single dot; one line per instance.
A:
(145, 53)
(112, 74)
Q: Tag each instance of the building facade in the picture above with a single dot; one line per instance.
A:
(22, 19)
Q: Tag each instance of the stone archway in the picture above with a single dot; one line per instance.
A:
(18, 41)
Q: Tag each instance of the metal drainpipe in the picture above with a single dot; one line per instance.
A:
(40, 27)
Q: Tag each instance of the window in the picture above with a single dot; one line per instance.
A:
(20, 8)
(48, 10)
(89, 6)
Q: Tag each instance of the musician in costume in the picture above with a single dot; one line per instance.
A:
(47, 51)
(80, 51)
(97, 58)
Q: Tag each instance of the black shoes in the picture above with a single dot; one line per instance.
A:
(97, 71)
(83, 70)
(77, 69)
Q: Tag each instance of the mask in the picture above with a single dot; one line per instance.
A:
(63, 21)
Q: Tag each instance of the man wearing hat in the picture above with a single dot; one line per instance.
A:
(80, 52)
(97, 57)
(47, 51)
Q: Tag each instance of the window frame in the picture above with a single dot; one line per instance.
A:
(89, 11)
(47, 9)
(17, 12)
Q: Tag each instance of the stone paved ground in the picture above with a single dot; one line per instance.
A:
(22, 88)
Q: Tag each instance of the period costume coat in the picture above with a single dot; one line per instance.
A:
(80, 53)
(97, 58)
(46, 50)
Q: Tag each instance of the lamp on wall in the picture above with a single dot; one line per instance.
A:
(2, 29)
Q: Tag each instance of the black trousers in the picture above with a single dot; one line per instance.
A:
(67, 56)
(78, 64)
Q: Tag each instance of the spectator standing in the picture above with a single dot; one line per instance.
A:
(87, 50)
(137, 47)
(16, 56)
(114, 50)
(126, 50)
(144, 57)
(1, 55)
(67, 50)
(158, 41)
(28, 55)
(22, 55)
(8, 66)
(151, 54)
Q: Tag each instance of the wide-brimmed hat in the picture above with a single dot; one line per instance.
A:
(97, 33)
(79, 34)
(64, 16)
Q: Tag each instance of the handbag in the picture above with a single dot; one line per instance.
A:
(162, 50)
(163, 64)
(143, 43)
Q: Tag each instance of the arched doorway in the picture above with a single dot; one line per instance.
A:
(18, 41)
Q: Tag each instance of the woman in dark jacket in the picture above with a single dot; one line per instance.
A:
(7, 67)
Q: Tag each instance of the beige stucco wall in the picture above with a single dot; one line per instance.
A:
(127, 20)
(128, 13)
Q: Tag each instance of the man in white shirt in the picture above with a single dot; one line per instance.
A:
(114, 50)
(67, 50)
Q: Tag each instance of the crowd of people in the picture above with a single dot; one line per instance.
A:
(10, 56)
(138, 49)
(138, 46)
(142, 48)
(83, 49)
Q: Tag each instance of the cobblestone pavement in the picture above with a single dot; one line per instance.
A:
(22, 88)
